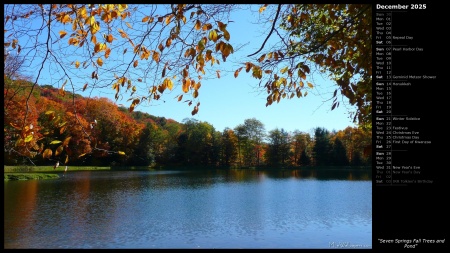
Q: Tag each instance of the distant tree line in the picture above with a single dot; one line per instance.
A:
(102, 134)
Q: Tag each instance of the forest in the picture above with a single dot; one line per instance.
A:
(105, 134)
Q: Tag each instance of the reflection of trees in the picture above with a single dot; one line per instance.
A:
(22, 199)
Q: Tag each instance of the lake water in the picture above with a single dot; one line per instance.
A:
(190, 209)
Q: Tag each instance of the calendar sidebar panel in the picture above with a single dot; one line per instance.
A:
(410, 108)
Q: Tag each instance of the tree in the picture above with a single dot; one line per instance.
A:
(305, 160)
(278, 149)
(334, 38)
(197, 143)
(322, 147)
(356, 141)
(300, 142)
(338, 154)
(250, 137)
(229, 147)
(144, 51)
(13, 64)
(241, 142)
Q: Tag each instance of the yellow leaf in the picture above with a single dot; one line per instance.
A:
(121, 153)
(128, 24)
(107, 53)
(28, 138)
(55, 142)
(109, 38)
(135, 64)
(284, 70)
(95, 28)
(122, 7)
(226, 34)
(155, 56)
(206, 27)
(62, 34)
(213, 35)
(77, 64)
(99, 47)
(198, 25)
(310, 85)
(262, 8)
(83, 13)
(47, 153)
(80, 155)
(123, 34)
(236, 73)
(59, 150)
(100, 62)
(94, 39)
(186, 85)
(67, 159)
(169, 83)
(262, 58)
(168, 18)
(145, 19)
(66, 19)
(221, 25)
(301, 74)
(72, 41)
(196, 85)
(168, 42)
(66, 141)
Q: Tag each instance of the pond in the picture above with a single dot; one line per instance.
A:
(184, 209)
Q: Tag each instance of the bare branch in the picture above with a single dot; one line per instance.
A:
(270, 33)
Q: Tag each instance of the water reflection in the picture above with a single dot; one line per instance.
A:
(189, 209)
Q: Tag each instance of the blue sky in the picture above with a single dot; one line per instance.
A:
(228, 101)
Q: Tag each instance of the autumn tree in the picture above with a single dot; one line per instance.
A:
(356, 141)
(250, 139)
(300, 143)
(229, 147)
(278, 150)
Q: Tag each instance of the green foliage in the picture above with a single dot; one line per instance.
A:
(336, 39)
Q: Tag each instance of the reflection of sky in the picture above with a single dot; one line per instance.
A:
(133, 213)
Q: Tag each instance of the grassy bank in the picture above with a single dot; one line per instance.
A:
(28, 176)
(48, 169)
(48, 172)
(40, 172)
